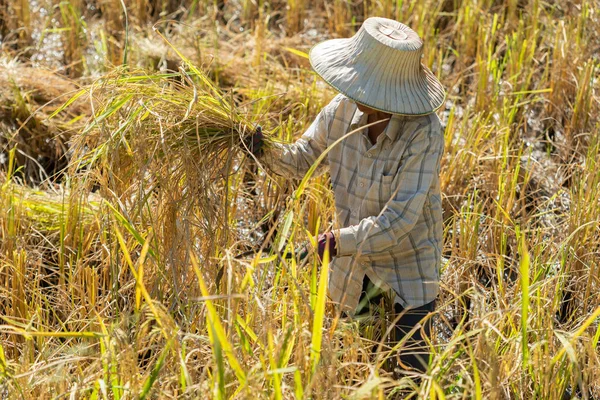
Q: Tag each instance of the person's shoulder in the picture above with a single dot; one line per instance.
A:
(422, 129)
(339, 101)
(431, 122)
(340, 108)
(425, 125)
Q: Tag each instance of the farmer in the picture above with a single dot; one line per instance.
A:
(385, 177)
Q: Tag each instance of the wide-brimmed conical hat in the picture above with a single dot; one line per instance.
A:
(380, 67)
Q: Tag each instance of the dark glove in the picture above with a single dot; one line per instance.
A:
(321, 244)
(326, 240)
(255, 142)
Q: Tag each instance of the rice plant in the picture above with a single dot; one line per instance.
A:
(145, 254)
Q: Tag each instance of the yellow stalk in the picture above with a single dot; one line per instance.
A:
(212, 318)
(319, 314)
(586, 324)
(140, 276)
(139, 283)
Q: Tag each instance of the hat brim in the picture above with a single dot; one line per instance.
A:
(422, 97)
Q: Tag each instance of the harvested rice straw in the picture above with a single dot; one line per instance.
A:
(165, 147)
(169, 112)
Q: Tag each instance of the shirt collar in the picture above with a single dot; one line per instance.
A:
(359, 119)
(393, 127)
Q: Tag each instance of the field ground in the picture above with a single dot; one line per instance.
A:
(126, 202)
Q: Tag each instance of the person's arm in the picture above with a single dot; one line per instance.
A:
(411, 184)
(295, 159)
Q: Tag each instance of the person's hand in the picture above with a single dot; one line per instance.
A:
(323, 240)
(255, 142)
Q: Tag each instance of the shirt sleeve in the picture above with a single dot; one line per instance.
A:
(417, 173)
(293, 160)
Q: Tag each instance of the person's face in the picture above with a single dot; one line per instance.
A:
(365, 109)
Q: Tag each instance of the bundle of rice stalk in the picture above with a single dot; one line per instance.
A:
(165, 146)
(171, 113)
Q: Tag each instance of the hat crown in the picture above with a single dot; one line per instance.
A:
(380, 67)
(388, 42)
(393, 34)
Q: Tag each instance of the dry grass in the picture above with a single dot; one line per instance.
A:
(27, 97)
(120, 279)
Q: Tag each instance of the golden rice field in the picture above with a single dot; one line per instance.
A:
(143, 254)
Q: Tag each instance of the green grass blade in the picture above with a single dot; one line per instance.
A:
(524, 265)
(68, 103)
(156, 370)
(130, 228)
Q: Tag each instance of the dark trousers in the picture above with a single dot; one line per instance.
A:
(414, 353)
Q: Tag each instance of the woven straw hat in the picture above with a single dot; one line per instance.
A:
(380, 67)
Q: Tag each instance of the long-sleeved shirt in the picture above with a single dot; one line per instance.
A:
(387, 197)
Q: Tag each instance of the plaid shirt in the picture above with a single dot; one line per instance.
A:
(387, 197)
